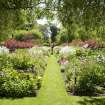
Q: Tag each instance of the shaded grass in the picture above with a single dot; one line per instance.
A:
(53, 91)
(92, 101)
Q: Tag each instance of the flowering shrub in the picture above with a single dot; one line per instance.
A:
(64, 63)
(12, 44)
(93, 44)
(85, 75)
(4, 50)
(67, 50)
(21, 61)
(20, 74)
(15, 84)
(100, 59)
(57, 49)
(90, 44)
(35, 51)
(85, 72)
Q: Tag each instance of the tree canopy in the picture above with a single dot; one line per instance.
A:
(87, 13)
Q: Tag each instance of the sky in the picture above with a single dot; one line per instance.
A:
(45, 21)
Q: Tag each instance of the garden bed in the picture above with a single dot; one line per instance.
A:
(21, 72)
(84, 72)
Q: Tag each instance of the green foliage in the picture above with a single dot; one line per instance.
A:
(86, 73)
(64, 36)
(14, 84)
(55, 91)
(4, 36)
(13, 14)
(81, 52)
(27, 35)
(20, 74)
(83, 35)
(21, 61)
(72, 14)
(10, 19)
(90, 76)
(17, 61)
(83, 15)
(81, 12)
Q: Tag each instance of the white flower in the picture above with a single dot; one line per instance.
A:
(68, 50)
(45, 48)
(57, 49)
(100, 58)
(4, 50)
(35, 51)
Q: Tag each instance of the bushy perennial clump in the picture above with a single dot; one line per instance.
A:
(21, 61)
(20, 74)
(85, 74)
(39, 51)
(15, 84)
(3, 50)
(100, 59)
(13, 44)
(68, 50)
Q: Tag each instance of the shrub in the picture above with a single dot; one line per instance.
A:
(90, 76)
(22, 62)
(14, 84)
(83, 35)
(67, 51)
(76, 42)
(66, 38)
(39, 51)
(22, 35)
(83, 52)
(20, 74)
(13, 44)
(91, 43)
(4, 50)
(85, 74)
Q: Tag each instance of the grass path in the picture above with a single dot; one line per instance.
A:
(53, 91)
